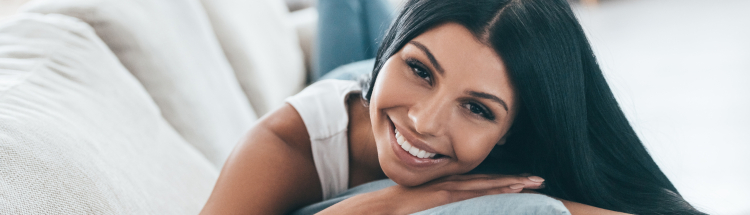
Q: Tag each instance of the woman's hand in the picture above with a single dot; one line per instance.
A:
(406, 200)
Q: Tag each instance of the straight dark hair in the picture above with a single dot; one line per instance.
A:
(569, 129)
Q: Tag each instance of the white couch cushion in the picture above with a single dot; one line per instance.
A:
(80, 135)
(172, 50)
(261, 44)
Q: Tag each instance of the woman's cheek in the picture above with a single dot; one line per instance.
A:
(473, 147)
(393, 87)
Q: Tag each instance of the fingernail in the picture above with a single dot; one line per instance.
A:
(516, 186)
(536, 179)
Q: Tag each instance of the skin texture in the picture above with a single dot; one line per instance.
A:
(272, 171)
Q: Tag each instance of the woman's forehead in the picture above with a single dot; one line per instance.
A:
(453, 44)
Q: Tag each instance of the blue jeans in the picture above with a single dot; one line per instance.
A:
(349, 31)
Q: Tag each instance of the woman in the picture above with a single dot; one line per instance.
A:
(491, 86)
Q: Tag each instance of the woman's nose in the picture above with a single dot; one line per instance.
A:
(430, 115)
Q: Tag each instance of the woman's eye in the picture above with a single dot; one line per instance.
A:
(419, 70)
(421, 73)
(479, 110)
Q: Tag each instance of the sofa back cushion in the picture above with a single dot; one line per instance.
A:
(260, 42)
(80, 135)
(170, 48)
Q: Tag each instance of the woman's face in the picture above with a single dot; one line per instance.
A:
(449, 98)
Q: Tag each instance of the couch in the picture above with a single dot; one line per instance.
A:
(132, 106)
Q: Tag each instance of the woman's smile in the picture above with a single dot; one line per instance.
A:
(413, 152)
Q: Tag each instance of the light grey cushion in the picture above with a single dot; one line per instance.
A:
(80, 135)
(512, 203)
(260, 43)
(170, 48)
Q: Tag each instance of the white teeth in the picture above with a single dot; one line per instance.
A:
(406, 146)
(414, 151)
(421, 153)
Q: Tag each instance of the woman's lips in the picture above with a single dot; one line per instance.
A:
(412, 149)
(406, 157)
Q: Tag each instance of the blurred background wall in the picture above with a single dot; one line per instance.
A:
(681, 72)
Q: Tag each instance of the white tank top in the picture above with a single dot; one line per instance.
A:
(322, 107)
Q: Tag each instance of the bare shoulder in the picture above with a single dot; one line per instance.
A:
(270, 171)
(287, 124)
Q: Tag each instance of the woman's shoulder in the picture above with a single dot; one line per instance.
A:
(322, 106)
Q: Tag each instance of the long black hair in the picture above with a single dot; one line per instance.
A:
(569, 129)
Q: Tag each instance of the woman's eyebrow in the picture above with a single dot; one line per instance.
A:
(488, 96)
(433, 61)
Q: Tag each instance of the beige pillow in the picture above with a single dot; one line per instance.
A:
(261, 44)
(80, 135)
(170, 48)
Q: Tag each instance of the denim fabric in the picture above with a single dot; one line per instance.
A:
(349, 31)
(515, 203)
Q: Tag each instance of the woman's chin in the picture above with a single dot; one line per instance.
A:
(408, 182)
(406, 178)
(399, 174)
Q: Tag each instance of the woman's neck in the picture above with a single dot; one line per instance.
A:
(363, 154)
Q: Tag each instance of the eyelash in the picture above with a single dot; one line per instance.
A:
(422, 72)
(483, 111)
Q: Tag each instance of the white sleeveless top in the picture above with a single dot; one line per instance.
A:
(322, 107)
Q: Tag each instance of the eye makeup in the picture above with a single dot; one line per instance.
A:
(419, 69)
(478, 109)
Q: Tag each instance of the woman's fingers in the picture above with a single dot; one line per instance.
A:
(461, 195)
(535, 187)
(469, 177)
(485, 182)
(539, 182)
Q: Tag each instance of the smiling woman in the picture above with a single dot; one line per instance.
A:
(447, 105)
(457, 86)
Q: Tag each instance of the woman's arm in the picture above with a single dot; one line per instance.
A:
(271, 171)
(406, 200)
